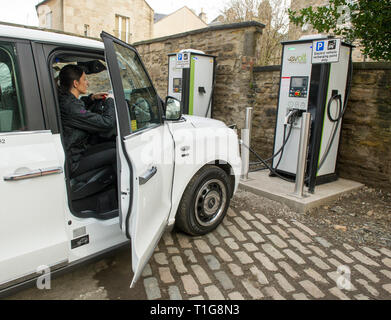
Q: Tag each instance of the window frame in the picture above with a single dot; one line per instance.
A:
(27, 83)
(151, 90)
(42, 59)
(119, 27)
(123, 111)
(50, 61)
(12, 68)
(49, 20)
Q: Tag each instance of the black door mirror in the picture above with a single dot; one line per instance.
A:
(173, 109)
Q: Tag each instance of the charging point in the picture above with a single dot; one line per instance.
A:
(191, 75)
(314, 79)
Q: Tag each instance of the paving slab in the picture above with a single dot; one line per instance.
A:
(280, 190)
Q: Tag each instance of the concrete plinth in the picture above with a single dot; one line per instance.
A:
(282, 191)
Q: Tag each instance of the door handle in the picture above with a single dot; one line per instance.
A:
(33, 174)
(147, 175)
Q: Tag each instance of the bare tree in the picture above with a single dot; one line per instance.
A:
(241, 10)
(273, 14)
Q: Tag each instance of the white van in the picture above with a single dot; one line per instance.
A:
(171, 169)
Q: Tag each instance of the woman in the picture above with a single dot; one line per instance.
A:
(80, 124)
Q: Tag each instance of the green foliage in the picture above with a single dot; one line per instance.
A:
(366, 21)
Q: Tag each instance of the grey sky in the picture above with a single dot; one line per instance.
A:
(23, 11)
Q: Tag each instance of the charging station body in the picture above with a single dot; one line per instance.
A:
(191, 80)
(307, 86)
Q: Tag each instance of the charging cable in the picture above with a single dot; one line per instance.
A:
(264, 162)
(289, 121)
(336, 122)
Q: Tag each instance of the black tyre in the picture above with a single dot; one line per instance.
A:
(205, 201)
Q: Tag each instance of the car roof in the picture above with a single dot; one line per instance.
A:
(36, 34)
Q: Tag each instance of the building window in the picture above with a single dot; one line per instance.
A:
(86, 30)
(122, 27)
(49, 20)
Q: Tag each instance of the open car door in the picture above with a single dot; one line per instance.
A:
(145, 152)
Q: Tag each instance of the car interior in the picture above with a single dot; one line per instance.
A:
(92, 193)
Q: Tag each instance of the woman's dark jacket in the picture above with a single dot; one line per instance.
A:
(79, 122)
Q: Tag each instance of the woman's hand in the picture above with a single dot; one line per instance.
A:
(99, 96)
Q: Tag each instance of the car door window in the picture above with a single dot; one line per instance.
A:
(11, 107)
(139, 93)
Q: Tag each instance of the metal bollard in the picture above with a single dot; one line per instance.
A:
(302, 157)
(246, 138)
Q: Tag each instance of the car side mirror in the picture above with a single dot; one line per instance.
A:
(173, 109)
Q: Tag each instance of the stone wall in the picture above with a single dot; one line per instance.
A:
(365, 149)
(266, 85)
(365, 152)
(236, 47)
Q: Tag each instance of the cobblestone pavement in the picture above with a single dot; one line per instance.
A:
(262, 250)
(253, 255)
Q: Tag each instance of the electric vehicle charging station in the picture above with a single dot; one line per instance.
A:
(315, 78)
(191, 75)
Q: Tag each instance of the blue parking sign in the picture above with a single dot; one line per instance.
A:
(320, 46)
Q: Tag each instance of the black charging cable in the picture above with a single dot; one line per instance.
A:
(280, 151)
(290, 121)
(341, 110)
(285, 141)
(265, 163)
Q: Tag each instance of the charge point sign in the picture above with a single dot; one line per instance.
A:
(326, 51)
(183, 60)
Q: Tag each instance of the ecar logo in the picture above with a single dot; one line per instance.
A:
(298, 59)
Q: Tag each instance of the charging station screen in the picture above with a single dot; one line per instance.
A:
(177, 85)
(299, 87)
(299, 82)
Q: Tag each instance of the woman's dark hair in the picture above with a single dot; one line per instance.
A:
(68, 74)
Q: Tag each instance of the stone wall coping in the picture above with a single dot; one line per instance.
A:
(372, 65)
(227, 26)
(356, 66)
(267, 68)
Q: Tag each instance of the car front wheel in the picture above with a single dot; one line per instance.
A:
(204, 202)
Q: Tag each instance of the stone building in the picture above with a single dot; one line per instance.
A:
(182, 20)
(295, 32)
(130, 21)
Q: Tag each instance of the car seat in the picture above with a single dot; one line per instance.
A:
(92, 182)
